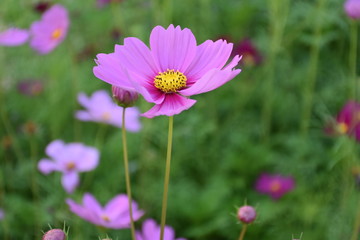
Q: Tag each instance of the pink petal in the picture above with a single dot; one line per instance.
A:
(70, 181)
(172, 104)
(89, 159)
(83, 116)
(47, 166)
(150, 229)
(55, 148)
(133, 123)
(210, 81)
(173, 48)
(90, 202)
(13, 37)
(209, 55)
(82, 211)
(109, 69)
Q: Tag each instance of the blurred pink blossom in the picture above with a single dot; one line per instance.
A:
(170, 71)
(70, 159)
(274, 185)
(352, 8)
(347, 121)
(13, 37)
(51, 30)
(250, 54)
(151, 231)
(246, 214)
(114, 215)
(100, 107)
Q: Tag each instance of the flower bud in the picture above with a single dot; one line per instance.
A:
(124, 98)
(352, 8)
(54, 234)
(246, 214)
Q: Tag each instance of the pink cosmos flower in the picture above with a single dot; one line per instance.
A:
(13, 37)
(347, 121)
(70, 159)
(151, 231)
(101, 108)
(274, 185)
(250, 54)
(51, 30)
(173, 69)
(114, 215)
(352, 8)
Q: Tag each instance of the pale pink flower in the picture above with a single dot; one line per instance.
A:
(70, 159)
(51, 30)
(173, 69)
(13, 37)
(114, 215)
(151, 231)
(100, 107)
(352, 8)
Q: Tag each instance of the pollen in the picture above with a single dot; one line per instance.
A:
(56, 34)
(170, 81)
(106, 116)
(342, 128)
(105, 218)
(275, 186)
(70, 166)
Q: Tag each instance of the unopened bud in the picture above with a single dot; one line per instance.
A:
(54, 234)
(246, 214)
(124, 98)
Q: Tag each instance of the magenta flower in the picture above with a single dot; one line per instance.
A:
(114, 215)
(151, 231)
(51, 30)
(347, 121)
(101, 108)
(70, 159)
(250, 54)
(13, 37)
(274, 185)
(173, 69)
(352, 8)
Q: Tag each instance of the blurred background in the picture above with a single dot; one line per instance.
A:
(298, 71)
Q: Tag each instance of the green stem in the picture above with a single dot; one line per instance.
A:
(127, 176)
(167, 177)
(243, 231)
(352, 59)
(355, 232)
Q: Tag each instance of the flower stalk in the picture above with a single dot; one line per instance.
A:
(167, 177)
(127, 175)
(243, 231)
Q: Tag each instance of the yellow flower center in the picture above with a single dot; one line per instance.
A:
(342, 128)
(106, 116)
(170, 81)
(70, 166)
(275, 186)
(56, 34)
(105, 218)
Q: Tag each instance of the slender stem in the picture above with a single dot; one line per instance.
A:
(355, 232)
(127, 177)
(167, 177)
(243, 231)
(352, 59)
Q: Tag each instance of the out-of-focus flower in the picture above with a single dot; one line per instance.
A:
(30, 128)
(51, 30)
(250, 54)
(54, 234)
(151, 231)
(274, 185)
(101, 108)
(30, 87)
(246, 214)
(41, 6)
(103, 3)
(352, 8)
(347, 121)
(171, 71)
(124, 98)
(70, 159)
(114, 215)
(2, 214)
(13, 37)
(6, 142)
